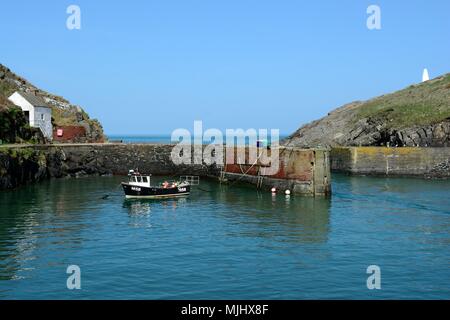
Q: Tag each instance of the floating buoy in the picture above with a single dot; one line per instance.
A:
(287, 192)
(273, 190)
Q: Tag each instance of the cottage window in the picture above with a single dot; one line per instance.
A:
(42, 116)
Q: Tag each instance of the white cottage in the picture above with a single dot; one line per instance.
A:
(38, 113)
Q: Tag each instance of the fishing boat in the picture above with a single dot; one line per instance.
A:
(139, 186)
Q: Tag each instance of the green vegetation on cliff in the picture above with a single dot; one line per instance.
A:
(418, 115)
(63, 112)
(19, 166)
(421, 104)
(14, 127)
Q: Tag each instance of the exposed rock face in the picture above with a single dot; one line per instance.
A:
(63, 112)
(19, 167)
(440, 170)
(416, 116)
(436, 135)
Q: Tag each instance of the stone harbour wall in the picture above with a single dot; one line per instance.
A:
(403, 161)
(23, 164)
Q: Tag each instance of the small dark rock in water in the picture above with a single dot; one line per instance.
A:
(106, 196)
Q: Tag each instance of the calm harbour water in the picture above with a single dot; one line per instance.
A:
(226, 242)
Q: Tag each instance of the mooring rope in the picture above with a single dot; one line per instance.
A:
(245, 173)
(107, 195)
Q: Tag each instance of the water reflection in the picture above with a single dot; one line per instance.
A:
(143, 207)
(226, 233)
(261, 214)
(299, 219)
(45, 213)
(137, 207)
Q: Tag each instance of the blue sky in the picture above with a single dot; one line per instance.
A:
(144, 67)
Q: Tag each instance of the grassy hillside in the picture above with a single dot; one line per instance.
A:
(422, 104)
(418, 115)
(4, 103)
(6, 89)
(63, 112)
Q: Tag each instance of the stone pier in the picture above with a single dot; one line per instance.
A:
(302, 171)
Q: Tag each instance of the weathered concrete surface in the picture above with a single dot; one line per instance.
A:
(405, 161)
(303, 171)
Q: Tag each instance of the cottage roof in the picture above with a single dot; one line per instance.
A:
(35, 100)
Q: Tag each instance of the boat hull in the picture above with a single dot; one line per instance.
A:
(132, 191)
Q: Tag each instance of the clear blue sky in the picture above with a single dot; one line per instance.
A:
(145, 67)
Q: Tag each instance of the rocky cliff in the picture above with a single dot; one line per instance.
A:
(63, 112)
(415, 116)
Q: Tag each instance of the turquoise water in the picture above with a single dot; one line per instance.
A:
(226, 242)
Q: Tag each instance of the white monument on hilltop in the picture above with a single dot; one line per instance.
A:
(425, 75)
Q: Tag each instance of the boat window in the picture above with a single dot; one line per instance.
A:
(138, 179)
(133, 179)
(144, 179)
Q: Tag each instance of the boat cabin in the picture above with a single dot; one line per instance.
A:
(137, 179)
